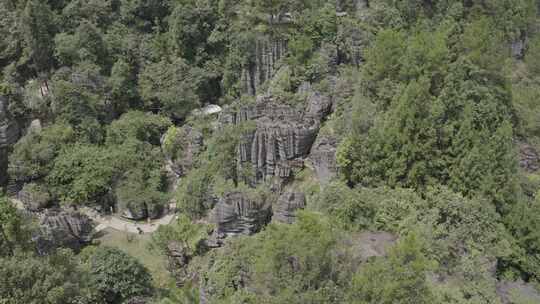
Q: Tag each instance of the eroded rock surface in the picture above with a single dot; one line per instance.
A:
(63, 229)
(512, 291)
(282, 137)
(323, 158)
(178, 260)
(263, 64)
(528, 158)
(238, 214)
(287, 205)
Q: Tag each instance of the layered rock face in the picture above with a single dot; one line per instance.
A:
(177, 260)
(287, 205)
(323, 158)
(238, 214)
(263, 65)
(9, 133)
(282, 137)
(63, 229)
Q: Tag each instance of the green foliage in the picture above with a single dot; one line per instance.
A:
(82, 174)
(33, 155)
(399, 278)
(118, 276)
(14, 235)
(54, 279)
(190, 235)
(193, 195)
(170, 87)
(283, 263)
(145, 127)
(350, 210)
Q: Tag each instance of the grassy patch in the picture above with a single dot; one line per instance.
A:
(137, 246)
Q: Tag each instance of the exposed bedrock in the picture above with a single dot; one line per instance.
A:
(284, 211)
(237, 213)
(323, 158)
(262, 64)
(528, 157)
(63, 229)
(283, 135)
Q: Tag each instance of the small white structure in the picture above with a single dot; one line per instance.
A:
(211, 109)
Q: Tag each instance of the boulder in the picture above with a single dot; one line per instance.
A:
(323, 158)
(237, 213)
(63, 229)
(287, 205)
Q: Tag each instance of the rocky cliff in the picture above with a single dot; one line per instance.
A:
(63, 229)
(262, 64)
(283, 135)
(238, 213)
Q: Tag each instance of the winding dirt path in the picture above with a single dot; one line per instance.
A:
(115, 222)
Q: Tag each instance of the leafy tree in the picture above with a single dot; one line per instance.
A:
(145, 127)
(190, 235)
(39, 28)
(53, 279)
(14, 234)
(33, 155)
(117, 276)
(399, 278)
(170, 88)
(82, 174)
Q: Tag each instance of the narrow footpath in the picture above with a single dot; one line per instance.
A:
(117, 223)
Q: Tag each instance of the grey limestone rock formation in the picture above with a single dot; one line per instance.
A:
(237, 213)
(282, 137)
(512, 291)
(263, 64)
(528, 158)
(288, 203)
(63, 229)
(178, 260)
(9, 132)
(374, 244)
(323, 158)
(140, 211)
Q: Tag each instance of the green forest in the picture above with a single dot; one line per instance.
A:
(269, 151)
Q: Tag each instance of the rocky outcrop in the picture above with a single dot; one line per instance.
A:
(288, 203)
(63, 229)
(509, 292)
(374, 244)
(323, 158)
(282, 137)
(237, 213)
(9, 133)
(141, 211)
(262, 64)
(34, 197)
(528, 158)
(189, 142)
(178, 260)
